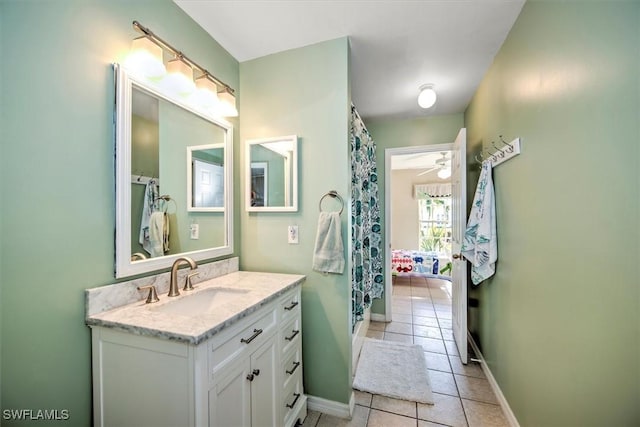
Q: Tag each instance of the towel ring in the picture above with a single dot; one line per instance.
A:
(166, 199)
(334, 194)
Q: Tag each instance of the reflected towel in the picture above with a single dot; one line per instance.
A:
(150, 195)
(480, 245)
(158, 234)
(328, 254)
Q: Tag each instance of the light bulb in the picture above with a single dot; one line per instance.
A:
(145, 59)
(427, 96)
(179, 79)
(206, 93)
(227, 103)
(444, 173)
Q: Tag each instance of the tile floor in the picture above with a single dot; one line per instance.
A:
(462, 394)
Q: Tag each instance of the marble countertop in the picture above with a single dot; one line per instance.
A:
(149, 319)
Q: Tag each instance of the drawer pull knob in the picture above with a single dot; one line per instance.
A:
(295, 366)
(256, 332)
(297, 395)
(250, 377)
(292, 335)
(292, 306)
(256, 372)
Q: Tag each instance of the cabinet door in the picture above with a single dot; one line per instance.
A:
(230, 398)
(264, 387)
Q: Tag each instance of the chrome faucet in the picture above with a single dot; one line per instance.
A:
(173, 284)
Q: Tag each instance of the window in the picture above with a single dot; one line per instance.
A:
(434, 216)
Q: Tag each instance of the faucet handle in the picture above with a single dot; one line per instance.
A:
(153, 295)
(188, 285)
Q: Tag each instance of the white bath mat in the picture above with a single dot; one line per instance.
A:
(393, 369)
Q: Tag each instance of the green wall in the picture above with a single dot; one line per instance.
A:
(428, 130)
(559, 324)
(57, 225)
(278, 98)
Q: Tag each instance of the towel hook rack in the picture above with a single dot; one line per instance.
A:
(333, 194)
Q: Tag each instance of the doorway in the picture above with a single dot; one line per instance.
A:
(419, 164)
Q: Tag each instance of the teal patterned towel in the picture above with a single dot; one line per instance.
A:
(480, 245)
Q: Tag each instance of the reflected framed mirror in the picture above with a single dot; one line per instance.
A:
(159, 139)
(271, 175)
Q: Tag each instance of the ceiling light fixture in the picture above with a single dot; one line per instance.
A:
(427, 97)
(444, 173)
(181, 68)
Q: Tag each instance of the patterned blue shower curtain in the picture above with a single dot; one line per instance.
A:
(366, 273)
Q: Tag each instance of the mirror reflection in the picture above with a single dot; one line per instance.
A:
(272, 170)
(177, 198)
(205, 178)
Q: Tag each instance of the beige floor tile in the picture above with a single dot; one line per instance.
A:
(401, 309)
(484, 414)
(447, 334)
(452, 348)
(471, 369)
(399, 328)
(377, 326)
(422, 423)
(386, 419)
(401, 290)
(402, 318)
(446, 410)
(391, 336)
(431, 344)
(425, 321)
(443, 382)
(396, 406)
(445, 323)
(421, 302)
(362, 398)
(427, 331)
(444, 315)
(424, 312)
(420, 292)
(475, 389)
(359, 419)
(312, 419)
(379, 335)
(437, 361)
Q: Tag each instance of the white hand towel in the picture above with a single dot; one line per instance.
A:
(328, 255)
(480, 245)
(156, 234)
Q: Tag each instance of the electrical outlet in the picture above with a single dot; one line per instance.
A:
(292, 233)
(195, 231)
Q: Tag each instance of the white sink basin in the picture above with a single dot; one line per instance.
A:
(205, 301)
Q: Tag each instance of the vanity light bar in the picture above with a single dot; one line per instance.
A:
(178, 54)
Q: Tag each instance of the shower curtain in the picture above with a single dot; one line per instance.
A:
(366, 233)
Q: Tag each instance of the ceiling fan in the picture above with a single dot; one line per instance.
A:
(441, 165)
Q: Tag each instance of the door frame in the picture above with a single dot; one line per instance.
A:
(388, 154)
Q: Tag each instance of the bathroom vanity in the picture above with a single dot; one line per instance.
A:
(228, 353)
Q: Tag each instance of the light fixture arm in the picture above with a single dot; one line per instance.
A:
(178, 54)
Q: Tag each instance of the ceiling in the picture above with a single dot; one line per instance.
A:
(396, 45)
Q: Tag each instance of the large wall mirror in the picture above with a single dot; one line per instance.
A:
(272, 174)
(173, 180)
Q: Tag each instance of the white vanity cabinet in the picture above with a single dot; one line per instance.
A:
(247, 374)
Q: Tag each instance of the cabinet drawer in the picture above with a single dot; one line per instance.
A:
(244, 341)
(291, 365)
(293, 397)
(290, 334)
(290, 305)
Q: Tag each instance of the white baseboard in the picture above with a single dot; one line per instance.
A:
(375, 317)
(330, 407)
(508, 413)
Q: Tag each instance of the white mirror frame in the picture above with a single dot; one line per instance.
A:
(124, 267)
(290, 184)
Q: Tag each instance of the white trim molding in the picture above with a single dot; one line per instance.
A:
(508, 413)
(330, 407)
